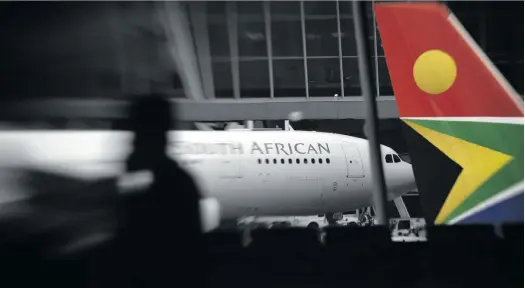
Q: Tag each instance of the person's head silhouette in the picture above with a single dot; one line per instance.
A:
(150, 119)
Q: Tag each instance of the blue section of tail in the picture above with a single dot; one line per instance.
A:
(507, 211)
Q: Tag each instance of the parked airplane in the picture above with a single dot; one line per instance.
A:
(247, 172)
(463, 120)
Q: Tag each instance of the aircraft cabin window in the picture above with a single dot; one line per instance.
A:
(321, 161)
(327, 161)
(297, 161)
(274, 161)
(289, 161)
(259, 161)
(282, 161)
(388, 158)
(313, 161)
(396, 159)
(305, 161)
(267, 161)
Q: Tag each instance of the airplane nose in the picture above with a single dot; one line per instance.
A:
(409, 180)
(402, 182)
(406, 181)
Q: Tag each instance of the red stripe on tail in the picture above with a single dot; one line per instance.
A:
(409, 29)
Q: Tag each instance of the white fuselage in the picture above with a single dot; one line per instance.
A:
(248, 172)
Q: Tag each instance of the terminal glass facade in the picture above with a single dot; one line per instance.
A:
(289, 49)
(230, 50)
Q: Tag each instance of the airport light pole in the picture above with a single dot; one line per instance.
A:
(378, 179)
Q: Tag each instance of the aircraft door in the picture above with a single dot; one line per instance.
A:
(354, 164)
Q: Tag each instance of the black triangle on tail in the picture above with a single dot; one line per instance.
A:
(434, 171)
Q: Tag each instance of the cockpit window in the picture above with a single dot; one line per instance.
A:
(388, 158)
(396, 159)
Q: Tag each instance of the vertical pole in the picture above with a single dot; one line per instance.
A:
(200, 24)
(341, 72)
(116, 26)
(177, 29)
(375, 53)
(378, 179)
(231, 12)
(268, 32)
(305, 62)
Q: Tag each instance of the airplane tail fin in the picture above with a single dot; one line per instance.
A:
(463, 121)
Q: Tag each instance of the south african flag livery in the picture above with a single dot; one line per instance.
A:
(462, 120)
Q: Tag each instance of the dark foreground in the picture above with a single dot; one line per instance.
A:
(453, 257)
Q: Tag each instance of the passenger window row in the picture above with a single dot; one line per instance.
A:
(392, 158)
(297, 161)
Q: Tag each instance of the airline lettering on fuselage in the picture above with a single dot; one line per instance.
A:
(289, 148)
(255, 148)
(206, 148)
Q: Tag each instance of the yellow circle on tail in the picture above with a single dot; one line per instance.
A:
(435, 71)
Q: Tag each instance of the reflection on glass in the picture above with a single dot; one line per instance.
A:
(345, 8)
(348, 44)
(373, 71)
(385, 85)
(379, 44)
(289, 78)
(351, 68)
(216, 7)
(222, 79)
(321, 37)
(219, 45)
(252, 39)
(176, 82)
(320, 8)
(254, 78)
(324, 77)
(252, 8)
(469, 16)
(370, 37)
(291, 8)
(109, 80)
(171, 85)
(370, 27)
(351, 77)
(287, 38)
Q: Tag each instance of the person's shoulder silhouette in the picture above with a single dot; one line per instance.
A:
(162, 222)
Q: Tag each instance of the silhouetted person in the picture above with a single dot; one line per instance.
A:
(160, 241)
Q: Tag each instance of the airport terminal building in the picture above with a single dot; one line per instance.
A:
(237, 60)
(93, 194)
(219, 61)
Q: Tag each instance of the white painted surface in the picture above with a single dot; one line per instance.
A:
(240, 183)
